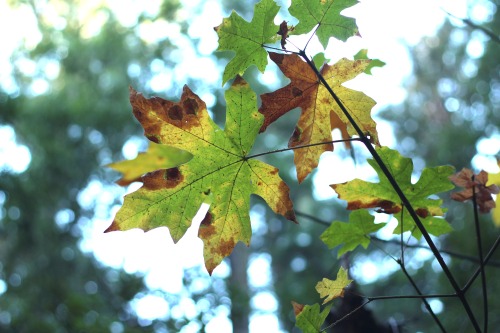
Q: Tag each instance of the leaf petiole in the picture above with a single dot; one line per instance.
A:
(300, 147)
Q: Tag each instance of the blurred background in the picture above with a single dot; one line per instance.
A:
(65, 69)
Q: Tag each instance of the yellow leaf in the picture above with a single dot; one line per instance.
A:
(494, 178)
(332, 289)
(320, 113)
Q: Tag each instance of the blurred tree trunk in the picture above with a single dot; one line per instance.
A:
(239, 290)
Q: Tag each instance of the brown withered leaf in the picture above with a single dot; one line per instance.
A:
(283, 32)
(320, 113)
(469, 181)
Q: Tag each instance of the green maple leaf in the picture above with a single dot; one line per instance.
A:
(219, 172)
(351, 234)
(331, 289)
(156, 157)
(362, 194)
(319, 60)
(247, 39)
(326, 13)
(363, 54)
(310, 318)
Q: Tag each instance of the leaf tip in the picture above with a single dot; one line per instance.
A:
(113, 227)
(290, 215)
(297, 308)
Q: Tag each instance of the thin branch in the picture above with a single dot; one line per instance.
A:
(366, 141)
(492, 263)
(383, 250)
(486, 262)
(424, 300)
(381, 298)
(481, 259)
(401, 263)
(473, 25)
(346, 316)
(384, 298)
(403, 268)
(312, 218)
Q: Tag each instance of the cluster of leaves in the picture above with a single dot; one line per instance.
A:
(192, 161)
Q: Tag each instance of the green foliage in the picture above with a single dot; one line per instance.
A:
(363, 54)
(352, 234)
(247, 39)
(319, 60)
(220, 173)
(223, 174)
(311, 318)
(49, 284)
(362, 194)
(326, 14)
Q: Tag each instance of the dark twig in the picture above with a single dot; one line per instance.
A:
(401, 263)
(347, 315)
(424, 300)
(486, 262)
(481, 259)
(384, 298)
(473, 25)
(491, 263)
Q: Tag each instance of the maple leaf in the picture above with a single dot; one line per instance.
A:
(466, 178)
(247, 39)
(326, 13)
(310, 318)
(362, 194)
(331, 289)
(363, 54)
(156, 157)
(219, 172)
(320, 113)
(319, 60)
(351, 234)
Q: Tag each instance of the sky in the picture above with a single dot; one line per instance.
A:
(386, 27)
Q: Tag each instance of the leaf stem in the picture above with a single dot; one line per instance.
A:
(299, 147)
(281, 50)
(366, 141)
(310, 38)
